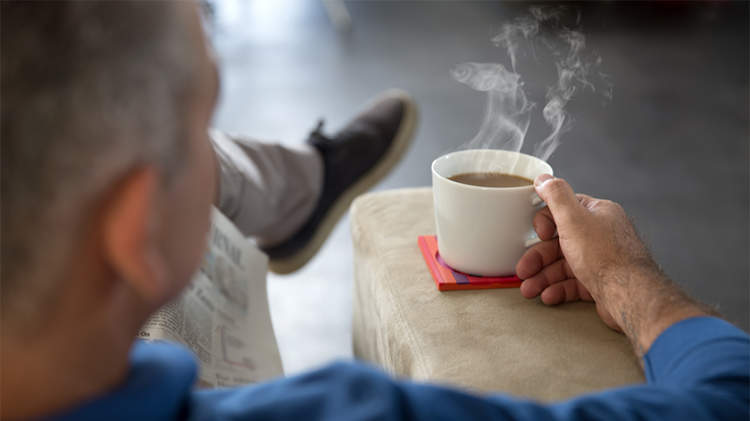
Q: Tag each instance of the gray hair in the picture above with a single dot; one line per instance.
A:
(90, 90)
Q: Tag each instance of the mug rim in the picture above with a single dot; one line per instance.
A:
(485, 188)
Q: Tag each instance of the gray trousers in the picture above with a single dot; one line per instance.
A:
(268, 190)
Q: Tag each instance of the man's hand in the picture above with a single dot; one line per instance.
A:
(594, 238)
(597, 256)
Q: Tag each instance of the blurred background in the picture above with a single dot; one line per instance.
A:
(671, 145)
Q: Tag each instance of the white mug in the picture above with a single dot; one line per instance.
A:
(485, 230)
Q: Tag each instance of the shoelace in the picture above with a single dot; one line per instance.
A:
(319, 138)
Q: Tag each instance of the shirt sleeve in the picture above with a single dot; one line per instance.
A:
(697, 369)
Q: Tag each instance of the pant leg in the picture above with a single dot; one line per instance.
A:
(268, 190)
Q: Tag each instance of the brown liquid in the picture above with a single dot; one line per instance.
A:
(491, 179)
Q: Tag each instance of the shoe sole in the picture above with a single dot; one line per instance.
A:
(393, 156)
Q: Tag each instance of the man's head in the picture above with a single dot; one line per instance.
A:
(107, 173)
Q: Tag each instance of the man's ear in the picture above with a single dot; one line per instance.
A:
(130, 228)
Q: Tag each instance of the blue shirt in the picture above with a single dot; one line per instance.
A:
(697, 369)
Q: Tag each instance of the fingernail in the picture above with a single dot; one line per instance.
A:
(542, 179)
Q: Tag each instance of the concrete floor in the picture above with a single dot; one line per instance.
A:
(671, 147)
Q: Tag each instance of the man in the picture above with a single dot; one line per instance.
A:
(108, 178)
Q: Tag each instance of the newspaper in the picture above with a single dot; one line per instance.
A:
(223, 314)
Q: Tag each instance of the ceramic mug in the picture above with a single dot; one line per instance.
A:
(485, 230)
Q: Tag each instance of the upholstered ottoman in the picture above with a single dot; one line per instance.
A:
(487, 340)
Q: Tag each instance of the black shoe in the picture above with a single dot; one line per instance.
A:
(354, 160)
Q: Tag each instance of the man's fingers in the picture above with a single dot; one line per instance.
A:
(559, 196)
(544, 224)
(549, 275)
(537, 257)
(561, 292)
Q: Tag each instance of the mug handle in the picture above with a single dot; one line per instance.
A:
(538, 205)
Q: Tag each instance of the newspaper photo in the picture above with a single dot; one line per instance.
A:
(223, 315)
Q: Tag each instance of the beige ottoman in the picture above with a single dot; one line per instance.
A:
(488, 340)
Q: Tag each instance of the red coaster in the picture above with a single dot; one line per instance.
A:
(447, 279)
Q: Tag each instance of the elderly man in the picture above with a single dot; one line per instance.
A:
(108, 179)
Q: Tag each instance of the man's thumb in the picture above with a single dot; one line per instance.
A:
(559, 196)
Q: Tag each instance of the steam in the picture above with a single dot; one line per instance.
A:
(507, 114)
(509, 111)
